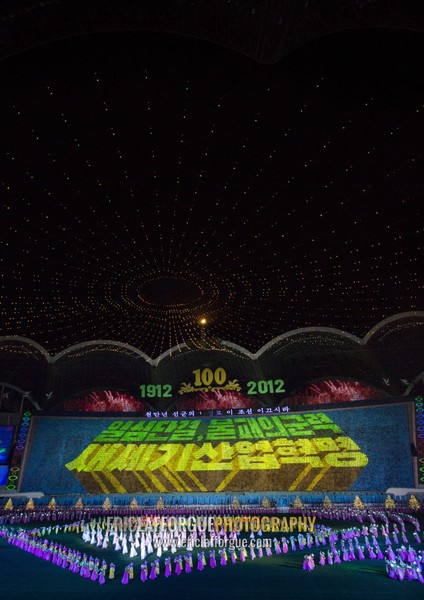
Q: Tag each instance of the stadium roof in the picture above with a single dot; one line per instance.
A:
(264, 30)
(149, 180)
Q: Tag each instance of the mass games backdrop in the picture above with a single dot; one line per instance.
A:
(344, 449)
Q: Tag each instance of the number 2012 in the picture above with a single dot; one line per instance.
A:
(270, 386)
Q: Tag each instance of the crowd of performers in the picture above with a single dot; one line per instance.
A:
(349, 544)
(405, 564)
(356, 545)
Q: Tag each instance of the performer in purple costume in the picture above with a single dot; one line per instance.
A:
(391, 572)
(152, 570)
(168, 570)
(223, 559)
(212, 560)
(126, 576)
(306, 565)
(144, 572)
(102, 577)
(395, 537)
(178, 565)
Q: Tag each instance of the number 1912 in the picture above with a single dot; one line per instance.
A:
(156, 391)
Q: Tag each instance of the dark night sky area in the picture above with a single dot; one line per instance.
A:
(147, 180)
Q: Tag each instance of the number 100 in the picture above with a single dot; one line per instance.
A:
(207, 377)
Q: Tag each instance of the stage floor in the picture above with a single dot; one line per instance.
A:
(25, 576)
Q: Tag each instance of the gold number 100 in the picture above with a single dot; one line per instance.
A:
(207, 377)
